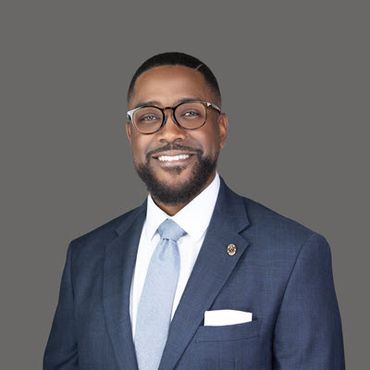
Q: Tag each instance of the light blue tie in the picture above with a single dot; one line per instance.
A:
(155, 307)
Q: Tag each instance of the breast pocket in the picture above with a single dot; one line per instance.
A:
(228, 332)
(231, 347)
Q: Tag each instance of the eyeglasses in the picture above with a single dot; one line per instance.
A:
(187, 115)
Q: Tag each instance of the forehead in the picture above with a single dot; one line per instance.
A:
(168, 85)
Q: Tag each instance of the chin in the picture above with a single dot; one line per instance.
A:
(178, 186)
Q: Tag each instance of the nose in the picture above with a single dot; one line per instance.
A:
(171, 131)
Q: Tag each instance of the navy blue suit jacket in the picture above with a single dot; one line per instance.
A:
(281, 272)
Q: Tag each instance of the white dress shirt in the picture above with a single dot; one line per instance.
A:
(194, 218)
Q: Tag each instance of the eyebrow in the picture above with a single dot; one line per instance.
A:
(155, 103)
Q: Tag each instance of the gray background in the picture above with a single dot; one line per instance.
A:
(295, 82)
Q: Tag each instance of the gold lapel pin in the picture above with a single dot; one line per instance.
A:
(231, 249)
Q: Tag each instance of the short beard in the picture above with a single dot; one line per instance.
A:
(160, 191)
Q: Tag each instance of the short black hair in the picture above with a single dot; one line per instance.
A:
(176, 58)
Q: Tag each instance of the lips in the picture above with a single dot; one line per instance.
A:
(173, 156)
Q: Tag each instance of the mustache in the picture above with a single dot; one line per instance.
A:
(173, 146)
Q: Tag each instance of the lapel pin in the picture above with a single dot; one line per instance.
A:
(231, 249)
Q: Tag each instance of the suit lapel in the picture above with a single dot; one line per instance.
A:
(210, 272)
(120, 257)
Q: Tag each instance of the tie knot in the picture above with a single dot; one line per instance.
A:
(169, 229)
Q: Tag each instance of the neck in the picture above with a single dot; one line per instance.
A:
(170, 209)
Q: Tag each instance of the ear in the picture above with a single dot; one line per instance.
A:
(223, 124)
(128, 131)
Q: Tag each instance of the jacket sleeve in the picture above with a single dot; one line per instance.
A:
(61, 350)
(308, 333)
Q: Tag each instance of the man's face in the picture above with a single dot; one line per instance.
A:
(176, 164)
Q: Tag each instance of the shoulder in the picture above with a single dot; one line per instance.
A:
(278, 233)
(106, 232)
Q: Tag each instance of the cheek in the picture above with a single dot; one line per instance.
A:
(211, 142)
(138, 149)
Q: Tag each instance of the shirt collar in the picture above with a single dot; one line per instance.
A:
(194, 218)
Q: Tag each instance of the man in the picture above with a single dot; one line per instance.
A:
(197, 277)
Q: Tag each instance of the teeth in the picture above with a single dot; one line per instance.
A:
(169, 158)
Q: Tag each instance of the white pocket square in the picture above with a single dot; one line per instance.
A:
(226, 317)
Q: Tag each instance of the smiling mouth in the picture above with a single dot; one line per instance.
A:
(173, 158)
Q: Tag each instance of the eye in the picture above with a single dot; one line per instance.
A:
(148, 118)
(192, 111)
(148, 115)
(190, 114)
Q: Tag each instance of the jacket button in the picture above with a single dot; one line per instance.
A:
(231, 249)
